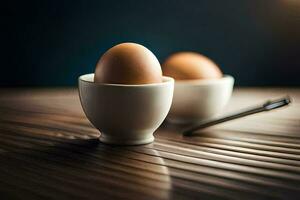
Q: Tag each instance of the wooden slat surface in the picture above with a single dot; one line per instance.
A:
(49, 150)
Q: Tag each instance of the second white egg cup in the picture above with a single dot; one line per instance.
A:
(125, 114)
(199, 100)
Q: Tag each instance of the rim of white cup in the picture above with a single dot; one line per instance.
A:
(225, 78)
(83, 78)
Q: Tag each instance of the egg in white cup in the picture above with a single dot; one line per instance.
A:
(199, 100)
(125, 114)
(201, 90)
(127, 98)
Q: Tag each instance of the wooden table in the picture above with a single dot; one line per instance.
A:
(48, 149)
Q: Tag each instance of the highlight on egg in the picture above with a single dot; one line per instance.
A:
(190, 66)
(128, 63)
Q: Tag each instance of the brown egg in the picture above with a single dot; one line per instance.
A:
(190, 65)
(128, 63)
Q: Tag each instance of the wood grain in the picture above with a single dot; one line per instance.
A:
(49, 150)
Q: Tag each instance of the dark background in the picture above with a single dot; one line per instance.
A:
(51, 43)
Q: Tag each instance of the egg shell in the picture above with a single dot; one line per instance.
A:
(190, 65)
(128, 63)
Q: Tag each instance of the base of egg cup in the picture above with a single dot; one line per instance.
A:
(125, 114)
(199, 100)
(107, 139)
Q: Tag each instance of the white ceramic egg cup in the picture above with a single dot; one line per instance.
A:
(125, 114)
(199, 100)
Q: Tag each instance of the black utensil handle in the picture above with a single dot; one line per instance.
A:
(267, 106)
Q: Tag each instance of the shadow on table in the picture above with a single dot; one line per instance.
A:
(80, 168)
